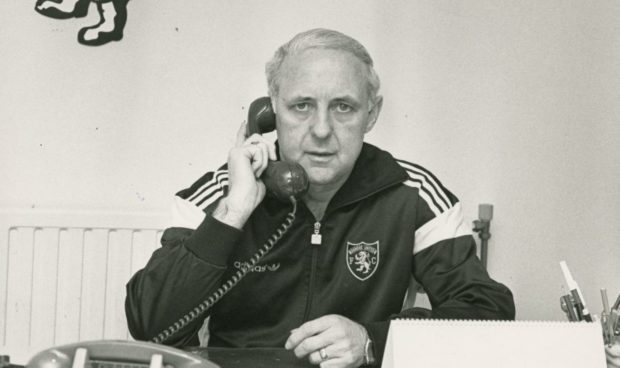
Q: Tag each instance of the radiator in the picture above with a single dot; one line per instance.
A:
(63, 275)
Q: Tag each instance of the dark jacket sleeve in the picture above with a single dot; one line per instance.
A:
(180, 275)
(445, 264)
(458, 287)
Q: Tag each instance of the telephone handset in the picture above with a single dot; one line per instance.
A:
(116, 353)
(282, 179)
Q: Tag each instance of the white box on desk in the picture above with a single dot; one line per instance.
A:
(492, 344)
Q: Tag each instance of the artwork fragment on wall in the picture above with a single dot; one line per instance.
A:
(112, 18)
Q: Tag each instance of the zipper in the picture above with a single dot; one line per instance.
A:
(315, 241)
(316, 237)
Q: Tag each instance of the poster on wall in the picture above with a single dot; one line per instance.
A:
(112, 18)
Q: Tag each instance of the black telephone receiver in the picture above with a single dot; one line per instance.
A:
(282, 179)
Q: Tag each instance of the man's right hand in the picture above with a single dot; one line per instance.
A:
(246, 163)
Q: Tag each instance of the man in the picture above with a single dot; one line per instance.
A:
(329, 287)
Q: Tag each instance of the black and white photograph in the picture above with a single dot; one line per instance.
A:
(288, 183)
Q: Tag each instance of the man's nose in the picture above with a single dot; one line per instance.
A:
(322, 124)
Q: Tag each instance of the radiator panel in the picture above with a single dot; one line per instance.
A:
(63, 275)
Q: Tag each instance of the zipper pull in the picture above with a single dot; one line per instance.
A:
(316, 238)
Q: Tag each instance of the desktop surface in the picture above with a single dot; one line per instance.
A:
(251, 357)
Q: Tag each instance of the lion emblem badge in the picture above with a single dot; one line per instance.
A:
(362, 259)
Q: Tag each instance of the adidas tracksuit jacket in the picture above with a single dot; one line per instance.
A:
(390, 220)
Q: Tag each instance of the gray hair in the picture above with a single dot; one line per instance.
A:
(321, 39)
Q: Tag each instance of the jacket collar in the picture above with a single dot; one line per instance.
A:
(373, 171)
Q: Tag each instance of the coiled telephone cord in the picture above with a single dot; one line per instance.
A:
(225, 288)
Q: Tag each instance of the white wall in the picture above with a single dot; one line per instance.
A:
(509, 103)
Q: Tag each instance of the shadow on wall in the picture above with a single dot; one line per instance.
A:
(112, 18)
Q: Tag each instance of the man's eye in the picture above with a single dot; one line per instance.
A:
(343, 108)
(302, 106)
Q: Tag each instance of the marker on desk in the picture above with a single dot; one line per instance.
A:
(617, 303)
(607, 323)
(614, 320)
(614, 317)
(580, 303)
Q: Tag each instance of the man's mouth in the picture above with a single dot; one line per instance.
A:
(320, 156)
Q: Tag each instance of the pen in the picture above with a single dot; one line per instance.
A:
(617, 303)
(605, 301)
(608, 323)
(607, 337)
(614, 320)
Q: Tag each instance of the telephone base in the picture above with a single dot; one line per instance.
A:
(117, 353)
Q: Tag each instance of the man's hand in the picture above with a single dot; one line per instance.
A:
(613, 355)
(246, 163)
(331, 341)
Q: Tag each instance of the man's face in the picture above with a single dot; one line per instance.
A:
(323, 112)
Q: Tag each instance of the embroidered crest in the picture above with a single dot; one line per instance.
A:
(362, 259)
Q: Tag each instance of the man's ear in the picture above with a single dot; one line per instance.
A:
(373, 114)
(273, 104)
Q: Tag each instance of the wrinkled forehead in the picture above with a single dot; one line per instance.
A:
(324, 68)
